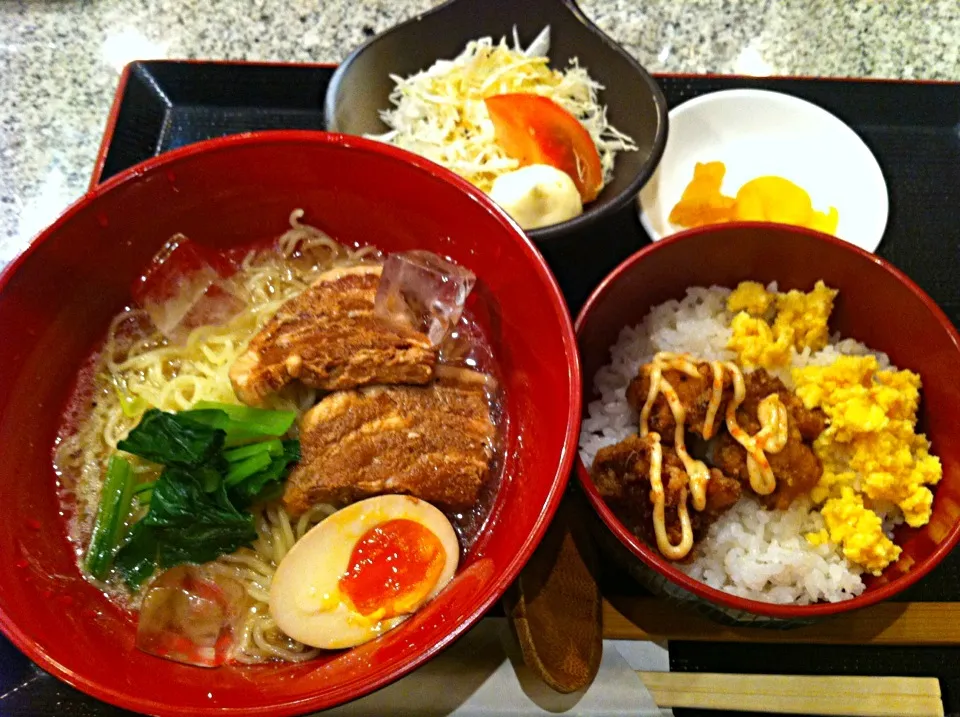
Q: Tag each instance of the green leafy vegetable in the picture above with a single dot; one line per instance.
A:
(252, 488)
(144, 492)
(209, 478)
(137, 560)
(197, 508)
(273, 447)
(242, 423)
(273, 491)
(185, 524)
(173, 439)
(291, 449)
(193, 525)
(115, 499)
(144, 487)
(242, 470)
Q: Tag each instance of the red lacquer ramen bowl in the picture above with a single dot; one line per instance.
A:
(877, 305)
(56, 302)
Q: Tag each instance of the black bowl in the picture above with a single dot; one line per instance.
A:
(361, 87)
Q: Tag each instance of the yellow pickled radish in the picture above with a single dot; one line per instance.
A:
(764, 199)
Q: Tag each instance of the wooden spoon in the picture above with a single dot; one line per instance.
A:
(555, 605)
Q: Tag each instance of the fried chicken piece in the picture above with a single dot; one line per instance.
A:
(621, 473)
(433, 442)
(796, 467)
(328, 338)
(694, 393)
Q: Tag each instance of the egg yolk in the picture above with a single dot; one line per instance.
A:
(393, 568)
(766, 199)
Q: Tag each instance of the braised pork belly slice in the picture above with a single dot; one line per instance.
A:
(328, 338)
(433, 442)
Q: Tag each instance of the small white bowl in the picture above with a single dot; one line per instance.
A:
(756, 133)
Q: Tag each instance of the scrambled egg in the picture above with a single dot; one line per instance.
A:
(858, 529)
(752, 297)
(869, 450)
(756, 346)
(800, 322)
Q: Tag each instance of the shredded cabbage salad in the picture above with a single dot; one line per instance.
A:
(439, 113)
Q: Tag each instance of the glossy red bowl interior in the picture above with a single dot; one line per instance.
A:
(56, 302)
(877, 305)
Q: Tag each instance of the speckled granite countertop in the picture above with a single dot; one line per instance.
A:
(60, 61)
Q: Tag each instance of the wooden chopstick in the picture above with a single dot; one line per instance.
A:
(890, 623)
(795, 694)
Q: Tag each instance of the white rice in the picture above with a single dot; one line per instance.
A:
(762, 555)
(749, 552)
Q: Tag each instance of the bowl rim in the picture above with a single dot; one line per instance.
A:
(362, 685)
(645, 78)
(649, 555)
(794, 103)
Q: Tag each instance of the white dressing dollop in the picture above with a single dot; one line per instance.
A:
(537, 195)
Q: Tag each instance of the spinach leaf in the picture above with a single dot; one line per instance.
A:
(272, 491)
(112, 511)
(241, 423)
(172, 439)
(291, 449)
(252, 487)
(185, 524)
(137, 560)
(246, 468)
(192, 525)
(272, 446)
(197, 508)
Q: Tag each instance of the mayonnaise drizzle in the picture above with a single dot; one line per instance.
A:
(671, 551)
(772, 437)
(709, 420)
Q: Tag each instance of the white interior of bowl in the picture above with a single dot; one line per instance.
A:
(756, 133)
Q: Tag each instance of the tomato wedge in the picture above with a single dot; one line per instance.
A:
(536, 130)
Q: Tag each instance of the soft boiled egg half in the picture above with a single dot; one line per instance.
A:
(363, 571)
